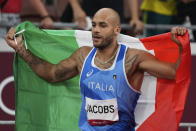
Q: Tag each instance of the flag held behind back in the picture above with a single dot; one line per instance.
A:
(42, 106)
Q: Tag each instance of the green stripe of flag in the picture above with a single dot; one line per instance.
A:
(41, 106)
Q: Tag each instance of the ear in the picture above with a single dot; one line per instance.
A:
(117, 30)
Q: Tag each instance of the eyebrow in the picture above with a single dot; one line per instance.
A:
(101, 23)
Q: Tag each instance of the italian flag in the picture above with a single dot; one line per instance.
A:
(41, 106)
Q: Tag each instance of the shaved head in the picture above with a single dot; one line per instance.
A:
(105, 28)
(109, 14)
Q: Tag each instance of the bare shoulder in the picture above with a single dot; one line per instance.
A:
(140, 54)
(132, 59)
(85, 50)
(133, 53)
(82, 52)
(80, 56)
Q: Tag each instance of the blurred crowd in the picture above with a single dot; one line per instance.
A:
(136, 13)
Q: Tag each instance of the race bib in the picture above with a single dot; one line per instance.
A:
(101, 112)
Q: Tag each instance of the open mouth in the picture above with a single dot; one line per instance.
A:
(96, 37)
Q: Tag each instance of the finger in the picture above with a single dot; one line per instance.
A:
(184, 31)
(19, 39)
(12, 30)
(174, 30)
(12, 43)
(8, 37)
(181, 31)
(178, 30)
(11, 33)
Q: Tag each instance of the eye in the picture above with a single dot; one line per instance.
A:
(103, 25)
(93, 24)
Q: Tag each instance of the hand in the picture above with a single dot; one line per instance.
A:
(138, 25)
(47, 23)
(179, 31)
(80, 18)
(9, 38)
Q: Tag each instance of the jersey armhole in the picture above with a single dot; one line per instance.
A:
(139, 92)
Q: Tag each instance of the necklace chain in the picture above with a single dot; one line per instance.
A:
(108, 60)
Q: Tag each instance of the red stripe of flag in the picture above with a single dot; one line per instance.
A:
(170, 94)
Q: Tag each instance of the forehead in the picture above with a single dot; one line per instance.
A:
(102, 18)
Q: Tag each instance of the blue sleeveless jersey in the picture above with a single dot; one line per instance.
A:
(108, 100)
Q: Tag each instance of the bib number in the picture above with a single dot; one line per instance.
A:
(101, 112)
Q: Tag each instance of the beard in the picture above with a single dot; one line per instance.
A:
(104, 43)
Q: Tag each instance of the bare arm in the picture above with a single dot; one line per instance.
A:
(52, 73)
(133, 6)
(46, 21)
(163, 69)
(158, 68)
(78, 13)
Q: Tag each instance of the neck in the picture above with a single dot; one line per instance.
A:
(108, 52)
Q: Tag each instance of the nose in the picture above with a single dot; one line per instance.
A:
(96, 29)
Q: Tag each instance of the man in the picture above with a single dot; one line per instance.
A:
(108, 96)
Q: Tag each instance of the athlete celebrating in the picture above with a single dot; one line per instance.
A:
(108, 96)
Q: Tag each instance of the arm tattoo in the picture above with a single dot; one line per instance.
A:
(81, 59)
(131, 62)
(29, 57)
(60, 72)
(21, 51)
(34, 61)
